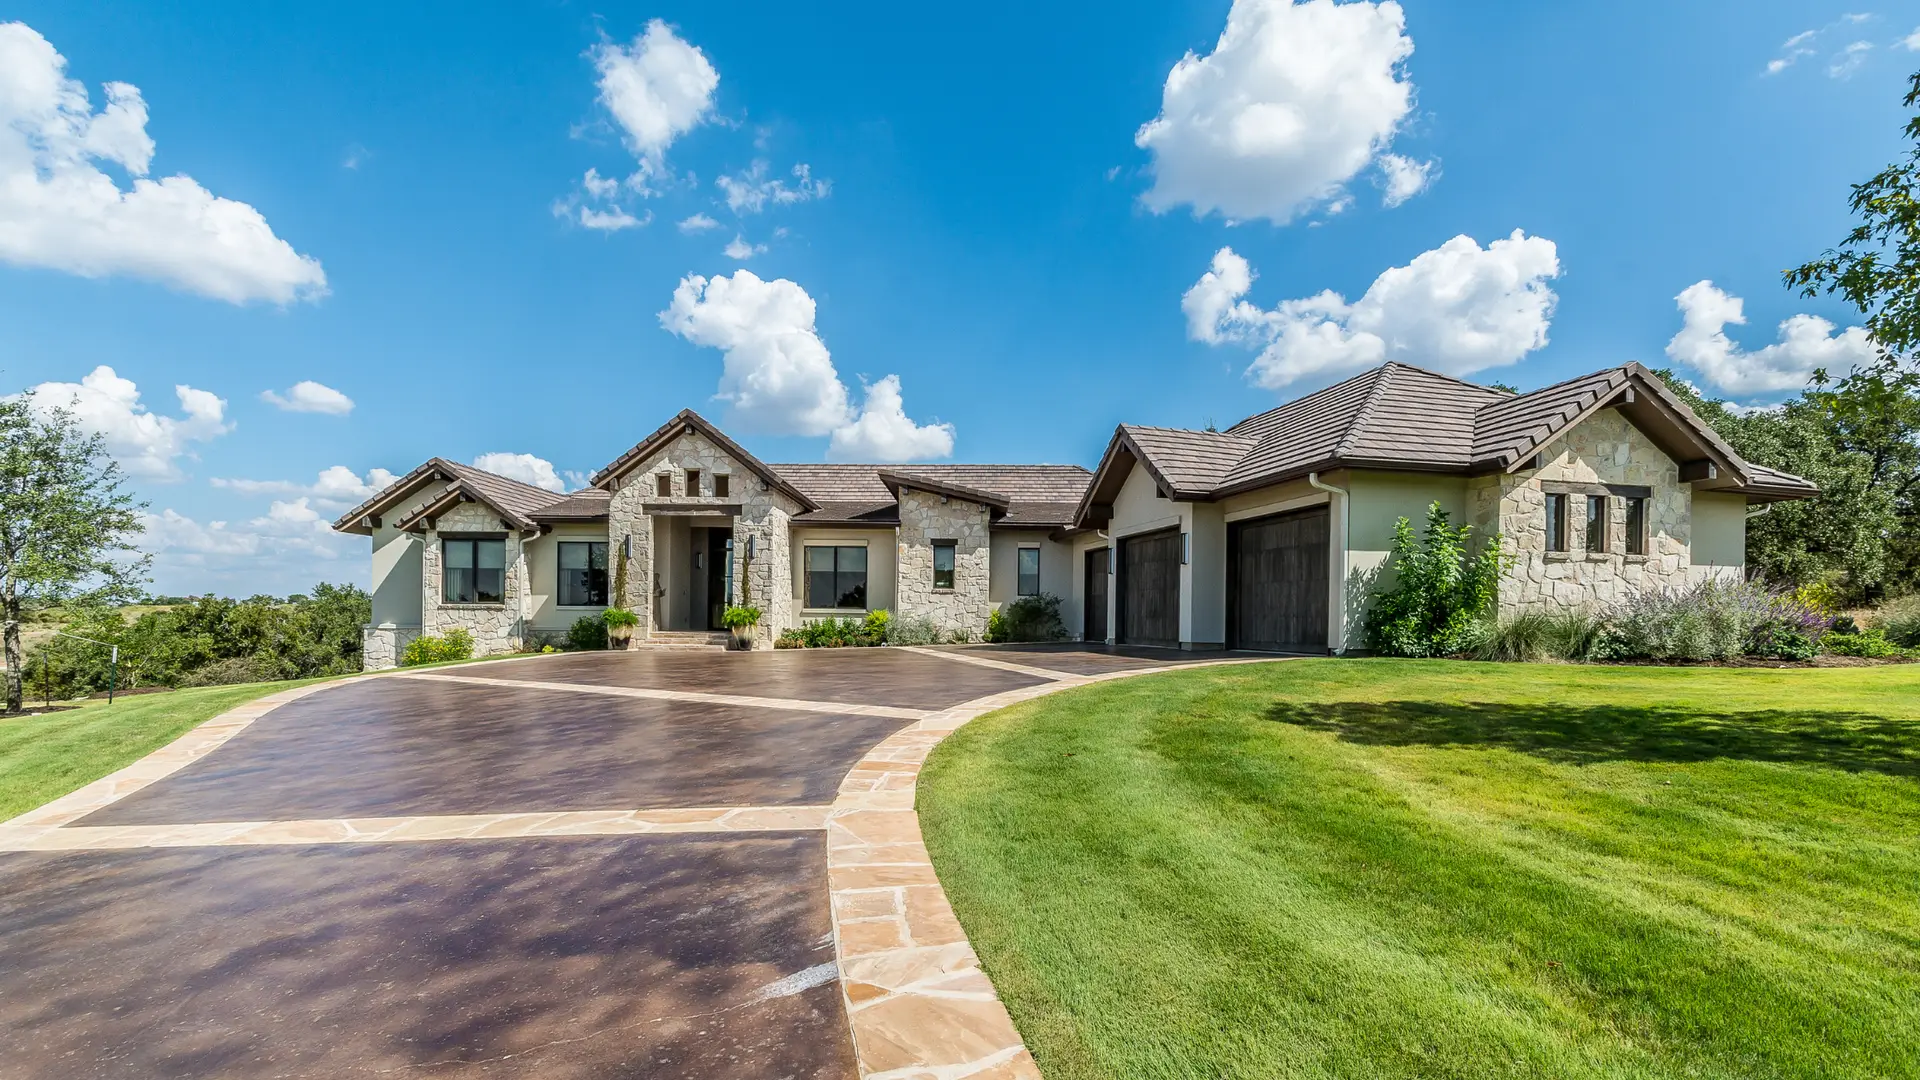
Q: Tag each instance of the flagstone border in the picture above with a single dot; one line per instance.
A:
(917, 1000)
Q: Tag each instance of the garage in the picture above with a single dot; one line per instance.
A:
(1149, 589)
(1277, 582)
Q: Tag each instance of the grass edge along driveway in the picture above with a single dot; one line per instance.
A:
(1365, 868)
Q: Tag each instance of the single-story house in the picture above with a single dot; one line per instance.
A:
(1270, 535)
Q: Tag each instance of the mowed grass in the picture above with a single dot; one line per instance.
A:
(1377, 868)
(44, 757)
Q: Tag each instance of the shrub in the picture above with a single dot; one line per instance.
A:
(920, 631)
(587, 633)
(996, 627)
(832, 633)
(1871, 643)
(619, 616)
(1781, 642)
(1030, 618)
(1899, 620)
(1444, 592)
(790, 639)
(875, 627)
(1820, 595)
(1541, 635)
(1711, 620)
(736, 617)
(962, 636)
(455, 644)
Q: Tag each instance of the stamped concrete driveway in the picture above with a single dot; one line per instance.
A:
(466, 913)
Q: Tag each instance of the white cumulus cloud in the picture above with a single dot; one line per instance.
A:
(1295, 100)
(753, 190)
(882, 432)
(146, 444)
(60, 210)
(1402, 178)
(658, 88)
(522, 467)
(336, 487)
(697, 223)
(1806, 342)
(777, 376)
(1459, 308)
(310, 397)
(740, 251)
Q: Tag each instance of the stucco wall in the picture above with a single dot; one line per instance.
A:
(881, 568)
(1377, 502)
(496, 628)
(762, 581)
(1603, 449)
(543, 578)
(925, 518)
(1719, 535)
(1003, 571)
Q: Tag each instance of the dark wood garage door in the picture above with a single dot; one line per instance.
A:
(1094, 619)
(1150, 589)
(1277, 595)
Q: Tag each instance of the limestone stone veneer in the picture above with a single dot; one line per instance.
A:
(1603, 449)
(495, 628)
(924, 519)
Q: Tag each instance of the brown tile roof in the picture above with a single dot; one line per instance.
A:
(514, 500)
(1518, 426)
(1039, 495)
(688, 420)
(1187, 461)
(587, 504)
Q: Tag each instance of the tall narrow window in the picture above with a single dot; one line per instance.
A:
(693, 483)
(1636, 526)
(720, 485)
(474, 571)
(1596, 523)
(1556, 523)
(836, 577)
(1027, 581)
(943, 564)
(583, 574)
(663, 485)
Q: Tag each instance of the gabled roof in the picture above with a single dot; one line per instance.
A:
(899, 480)
(1037, 496)
(1401, 417)
(587, 504)
(687, 421)
(513, 500)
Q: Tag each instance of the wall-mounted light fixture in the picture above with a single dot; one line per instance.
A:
(699, 560)
(1186, 548)
(750, 545)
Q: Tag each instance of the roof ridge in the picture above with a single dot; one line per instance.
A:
(1482, 387)
(1307, 397)
(1617, 368)
(502, 476)
(1383, 374)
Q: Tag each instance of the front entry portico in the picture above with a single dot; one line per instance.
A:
(693, 578)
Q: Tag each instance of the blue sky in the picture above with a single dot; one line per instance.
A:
(982, 216)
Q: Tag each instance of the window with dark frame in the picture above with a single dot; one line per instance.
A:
(473, 571)
(719, 485)
(943, 564)
(836, 577)
(693, 483)
(1027, 576)
(1556, 523)
(1636, 526)
(1596, 523)
(663, 485)
(583, 574)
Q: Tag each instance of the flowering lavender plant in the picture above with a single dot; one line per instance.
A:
(1713, 619)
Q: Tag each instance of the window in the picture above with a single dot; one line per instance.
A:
(583, 574)
(837, 577)
(1596, 523)
(475, 571)
(943, 564)
(1028, 577)
(693, 483)
(1556, 523)
(720, 485)
(663, 485)
(1636, 526)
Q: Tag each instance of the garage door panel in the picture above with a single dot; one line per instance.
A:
(1279, 592)
(1150, 589)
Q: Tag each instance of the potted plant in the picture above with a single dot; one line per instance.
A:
(741, 620)
(620, 623)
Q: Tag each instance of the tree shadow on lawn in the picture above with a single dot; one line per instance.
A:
(1590, 734)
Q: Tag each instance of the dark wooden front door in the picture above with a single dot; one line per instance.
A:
(1095, 621)
(1150, 589)
(1277, 587)
(719, 575)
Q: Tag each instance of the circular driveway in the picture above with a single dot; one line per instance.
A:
(481, 904)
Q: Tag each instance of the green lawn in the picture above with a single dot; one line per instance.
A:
(44, 757)
(1376, 868)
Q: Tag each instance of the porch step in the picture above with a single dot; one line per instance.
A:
(686, 639)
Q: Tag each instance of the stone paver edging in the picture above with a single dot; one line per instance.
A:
(917, 1000)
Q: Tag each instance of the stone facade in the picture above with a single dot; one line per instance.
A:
(925, 518)
(496, 628)
(1603, 449)
(763, 581)
(381, 645)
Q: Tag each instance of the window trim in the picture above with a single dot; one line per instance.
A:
(663, 485)
(1018, 574)
(1599, 520)
(953, 564)
(720, 482)
(560, 569)
(693, 483)
(1638, 534)
(446, 567)
(806, 573)
(1557, 513)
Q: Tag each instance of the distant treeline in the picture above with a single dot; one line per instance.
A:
(204, 641)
